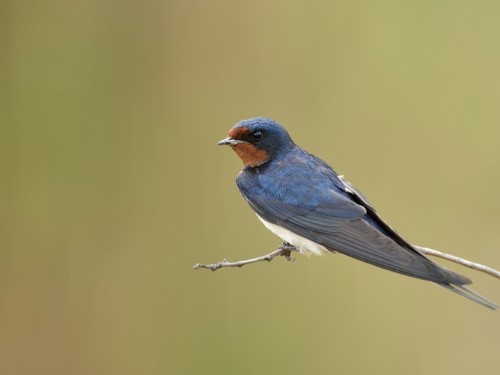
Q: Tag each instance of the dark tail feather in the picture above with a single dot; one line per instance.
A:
(470, 294)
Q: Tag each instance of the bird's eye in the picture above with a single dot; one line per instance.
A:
(257, 135)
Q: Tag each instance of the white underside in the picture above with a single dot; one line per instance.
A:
(305, 246)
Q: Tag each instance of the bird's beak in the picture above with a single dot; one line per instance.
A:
(230, 142)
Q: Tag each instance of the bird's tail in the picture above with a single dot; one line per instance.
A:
(470, 294)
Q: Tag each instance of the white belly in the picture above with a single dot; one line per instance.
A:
(303, 244)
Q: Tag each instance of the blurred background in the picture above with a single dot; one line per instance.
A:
(112, 185)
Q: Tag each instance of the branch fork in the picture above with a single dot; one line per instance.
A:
(284, 250)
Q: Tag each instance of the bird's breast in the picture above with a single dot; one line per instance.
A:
(305, 246)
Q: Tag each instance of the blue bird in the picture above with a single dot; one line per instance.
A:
(301, 199)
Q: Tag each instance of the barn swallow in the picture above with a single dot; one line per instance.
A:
(301, 199)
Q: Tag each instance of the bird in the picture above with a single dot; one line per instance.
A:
(302, 200)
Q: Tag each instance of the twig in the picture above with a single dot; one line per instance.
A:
(464, 262)
(285, 250)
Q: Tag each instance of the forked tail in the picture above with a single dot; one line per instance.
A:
(470, 294)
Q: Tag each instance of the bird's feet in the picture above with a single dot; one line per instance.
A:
(286, 251)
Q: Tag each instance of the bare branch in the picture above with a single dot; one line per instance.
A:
(464, 262)
(286, 249)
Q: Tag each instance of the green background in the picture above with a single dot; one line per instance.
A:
(112, 185)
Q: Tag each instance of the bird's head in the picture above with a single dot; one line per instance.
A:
(258, 140)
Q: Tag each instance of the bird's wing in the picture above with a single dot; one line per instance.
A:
(309, 214)
(340, 224)
(361, 240)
